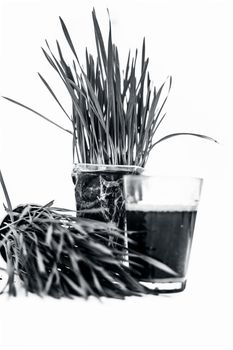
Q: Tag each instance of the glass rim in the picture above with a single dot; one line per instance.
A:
(164, 177)
(106, 166)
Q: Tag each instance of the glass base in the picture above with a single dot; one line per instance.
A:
(163, 286)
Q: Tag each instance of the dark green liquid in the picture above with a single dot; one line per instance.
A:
(163, 235)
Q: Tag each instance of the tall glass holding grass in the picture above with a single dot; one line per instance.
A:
(99, 192)
(161, 214)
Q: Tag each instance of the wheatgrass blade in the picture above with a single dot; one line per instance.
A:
(99, 44)
(183, 134)
(37, 113)
(66, 33)
(53, 94)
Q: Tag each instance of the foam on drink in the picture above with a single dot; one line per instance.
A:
(160, 207)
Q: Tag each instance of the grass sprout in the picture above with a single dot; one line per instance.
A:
(115, 113)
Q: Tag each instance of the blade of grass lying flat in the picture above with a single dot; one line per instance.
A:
(81, 280)
(48, 205)
(74, 286)
(40, 261)
(49, 281)
(37, 113)
(97, 284)
(49, 235)
(183, 134)
(155, 263)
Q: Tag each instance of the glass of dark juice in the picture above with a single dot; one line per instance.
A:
(160, 214)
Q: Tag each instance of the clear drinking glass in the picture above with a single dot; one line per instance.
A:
(99, 193)
(160, 214)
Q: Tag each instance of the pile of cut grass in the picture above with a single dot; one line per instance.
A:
(57, 254)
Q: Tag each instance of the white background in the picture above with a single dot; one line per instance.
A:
(190, 40)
